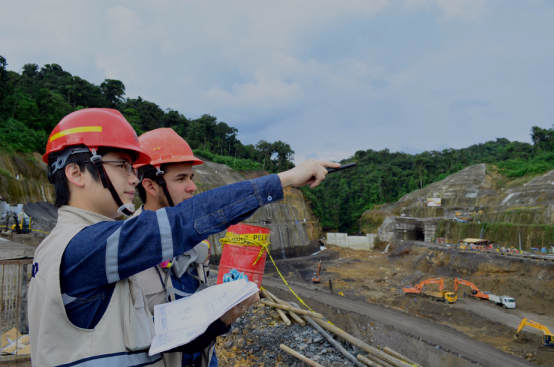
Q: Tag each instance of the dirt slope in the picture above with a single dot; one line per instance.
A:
(376, 278)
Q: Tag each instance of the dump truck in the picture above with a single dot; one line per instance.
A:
(444, 296)
(504, 301)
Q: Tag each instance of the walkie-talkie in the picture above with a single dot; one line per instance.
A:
(344, 166)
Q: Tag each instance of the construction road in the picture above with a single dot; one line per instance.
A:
(438, 335)
(510, 318)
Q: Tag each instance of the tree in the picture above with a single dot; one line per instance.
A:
(265, 150)
(151, 115)
(80, 92)
(113, 91)
(543, 139)
(3, 71)
(4, 89)
(30, 71)
(52, 106)
(201, 132)
(285, 155)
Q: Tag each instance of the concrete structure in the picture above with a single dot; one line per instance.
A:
(409, 228)
(354, 242)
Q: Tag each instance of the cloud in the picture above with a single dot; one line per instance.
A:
(327, 77)
(264, 94)
(452, 9)
(124, 23)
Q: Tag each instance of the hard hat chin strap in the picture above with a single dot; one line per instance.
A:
(161, 181)
(96, 161)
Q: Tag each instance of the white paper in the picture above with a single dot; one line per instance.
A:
(179, 322)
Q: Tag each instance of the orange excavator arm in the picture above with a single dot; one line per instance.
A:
(475, 292)
(316, 278)
(418, 288)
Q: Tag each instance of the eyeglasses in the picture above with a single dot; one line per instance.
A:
(123, 165)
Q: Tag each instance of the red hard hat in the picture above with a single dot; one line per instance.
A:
(95, 127)
(164, 145)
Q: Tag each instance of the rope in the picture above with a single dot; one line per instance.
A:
(287, 284)
(247, 240)
(259, 240)
(32, 229)
(38, 230)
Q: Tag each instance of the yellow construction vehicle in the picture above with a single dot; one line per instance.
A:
(441, 295)
(450, 297)
(548, 338)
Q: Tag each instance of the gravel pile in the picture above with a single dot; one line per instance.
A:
(255, 338)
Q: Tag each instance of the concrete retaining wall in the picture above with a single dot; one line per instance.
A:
(354, 242)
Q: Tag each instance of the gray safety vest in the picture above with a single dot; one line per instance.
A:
(157, 288)
(121, 337)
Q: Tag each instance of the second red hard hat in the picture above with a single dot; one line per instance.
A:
(164, 145)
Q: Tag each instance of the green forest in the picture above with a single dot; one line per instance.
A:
(33, 101)
(384, 176)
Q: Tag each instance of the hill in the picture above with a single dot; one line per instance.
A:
(32, 103)
(475, 202)
(384, 177)
(294, 228)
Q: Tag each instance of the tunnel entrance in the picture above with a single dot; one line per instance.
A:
(415, 229)
(419, 234)
(412, 232)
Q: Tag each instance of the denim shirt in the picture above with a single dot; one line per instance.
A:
(106, 252)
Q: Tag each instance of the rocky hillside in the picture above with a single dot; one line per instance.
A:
(480, 190)
(478, 201)
(23, 178)
(291, 221)
(293, 226)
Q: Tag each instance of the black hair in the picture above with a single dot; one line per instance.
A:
(147, 171)
(59, 180)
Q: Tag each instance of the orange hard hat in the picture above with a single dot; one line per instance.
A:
(164, 145)
(95, 127)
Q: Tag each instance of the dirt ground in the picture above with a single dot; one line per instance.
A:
(377, 278)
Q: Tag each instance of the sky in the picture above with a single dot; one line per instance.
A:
(327, 77)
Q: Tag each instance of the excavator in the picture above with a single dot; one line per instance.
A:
(548, 338)
(441, 295)
(475, 292)
(316, 278)
(21, 222)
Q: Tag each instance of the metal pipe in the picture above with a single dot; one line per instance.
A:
(363, 345)
(290, 308)
(333, 342)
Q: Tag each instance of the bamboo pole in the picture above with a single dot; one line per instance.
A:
(378, 361)
(363, 345)
(301, 357)
(368, 361)
(281, 313)
(290, 308)
(296, 318)
(400, 356)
